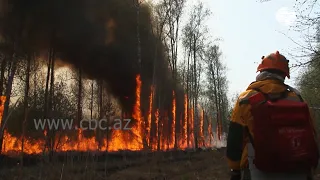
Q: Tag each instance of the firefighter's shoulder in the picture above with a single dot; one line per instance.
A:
(244, 96)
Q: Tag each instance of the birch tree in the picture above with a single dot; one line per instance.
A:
(217, 86)
(194, 35)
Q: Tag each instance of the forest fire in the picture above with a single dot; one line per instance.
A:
(173, 124)
(185, 130)
(2, 99)
(201, 128)
(191, 125)
(148, 125)
(124, 140)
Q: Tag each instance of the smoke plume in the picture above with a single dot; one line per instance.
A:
(97, 36)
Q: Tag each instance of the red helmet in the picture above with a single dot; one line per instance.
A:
(275, 61)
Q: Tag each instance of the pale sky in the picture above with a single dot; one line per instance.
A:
(249, 30)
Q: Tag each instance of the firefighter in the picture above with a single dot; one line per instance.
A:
(240, 151)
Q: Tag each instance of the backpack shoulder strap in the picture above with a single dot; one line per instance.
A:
(296, 92)
(260, 100)
(275, 96)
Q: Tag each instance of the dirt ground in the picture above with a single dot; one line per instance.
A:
(205, 165)
(191, 166)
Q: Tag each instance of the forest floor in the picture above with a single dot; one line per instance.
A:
(209, 164)
(203, 165)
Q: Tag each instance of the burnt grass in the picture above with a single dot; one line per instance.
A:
(123, 165)
(207, 164)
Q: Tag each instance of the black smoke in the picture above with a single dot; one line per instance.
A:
(81, 35)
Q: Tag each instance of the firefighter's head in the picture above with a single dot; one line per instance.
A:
(275, 63)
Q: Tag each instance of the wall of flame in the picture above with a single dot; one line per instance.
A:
(149, 133)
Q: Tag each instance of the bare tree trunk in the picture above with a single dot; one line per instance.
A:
(11, 73)
(218, 94)
(202, 128)
(137, 4)
(195, 111)
(79, 104)
(188, 94)
(223, 112)
(79, 98)
(101, 114)
(91, 103)
(46, 107)
(175, 78)
(152, 125)
(3, 69)
(35, 82)
(159, 125)
(216, 101)
(25, 104)
(50, 104)
(209, 126)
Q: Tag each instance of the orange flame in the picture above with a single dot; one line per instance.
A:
(191, 140)
(201, 128)
(180, 140)
(122, 140)
(148, 125)
(137, 114)
(156, 128)
(184, 124)
(2, 101)
(164, 123)
(13, 144)
(173, 120)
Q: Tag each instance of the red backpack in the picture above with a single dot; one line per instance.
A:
(283, 134)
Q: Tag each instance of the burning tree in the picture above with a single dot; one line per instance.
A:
(100, 47)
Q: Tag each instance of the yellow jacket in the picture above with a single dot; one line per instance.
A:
(237, 139)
